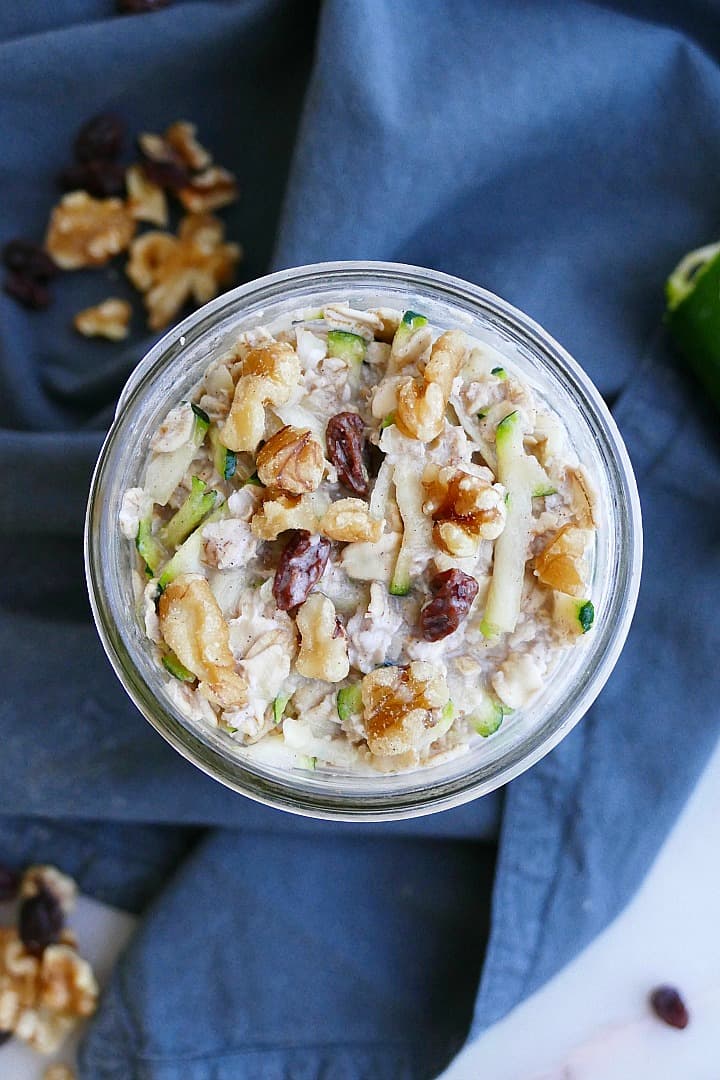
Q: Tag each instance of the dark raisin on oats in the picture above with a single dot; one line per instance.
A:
(346, 450)
(5, 1036)
(453, 595)
(29, 260)
(31, 294)
(9, 883)
(300, 567)
(139, 7)
(100, 139)
(669, 1007)
(166, 174)
(102, 179)
(40, 921)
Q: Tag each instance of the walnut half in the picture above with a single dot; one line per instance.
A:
(421, 402)
(465, 509)
(291, 460)
(323, 645)
(269, 374)
(400, 705)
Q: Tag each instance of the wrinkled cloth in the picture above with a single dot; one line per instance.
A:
(562, 155)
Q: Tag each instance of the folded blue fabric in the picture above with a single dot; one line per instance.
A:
(557, 154)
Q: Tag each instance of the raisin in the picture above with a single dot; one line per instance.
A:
(29, 260)
(40, 921)
(139, 7)
(669, 1006)
(99, 178)
(5, 1036)
(100, 139)
(167, 174)
(453, 594)
(301, 565)
(9, 883)
(29, 293)
(346, 445)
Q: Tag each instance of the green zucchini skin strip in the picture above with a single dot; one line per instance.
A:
(198, 505)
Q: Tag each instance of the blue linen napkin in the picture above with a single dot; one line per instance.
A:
(563, 155)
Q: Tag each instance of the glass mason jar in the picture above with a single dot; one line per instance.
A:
(167, 374)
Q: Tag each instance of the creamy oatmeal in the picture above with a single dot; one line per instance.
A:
(363, 541)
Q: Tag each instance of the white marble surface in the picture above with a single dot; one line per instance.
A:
(592, 1021)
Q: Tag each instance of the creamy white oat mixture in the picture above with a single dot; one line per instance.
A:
(363, 541)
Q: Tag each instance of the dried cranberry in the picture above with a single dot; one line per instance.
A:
(100, 139)
(669, 1006)
(28, 259)
(5, 1036)
(99, 178)
(346, 444)
(9, 883)
(139, 7)
(29, 293)
(40, 921)
(300, 566)
(167, 174)
(454, 592)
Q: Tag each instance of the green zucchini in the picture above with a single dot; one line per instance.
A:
(178, 671)
(224, 460)
(279, 705)
(511, 547)
(149, 547)
(349, 701)
(197, 505)
(693, 314)
(488, 714)
(576, 616)
(188, 557)
(348, 347)
(499, 373)
(166, 471)
(409, 323)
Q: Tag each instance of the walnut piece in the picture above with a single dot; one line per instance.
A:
(400, 705)
(181, 137)
(323, 642)
(465, 509)
(280, 512)
(269, 374)
(170, 270)
(291, 460)
(110, 319)
(561, 564)
(350, 520)
(59, 1072)
(421, 402)
(209, 190)
(582, 497)
(193, 625)
(43, 999)
(87, 232)
(146, 200)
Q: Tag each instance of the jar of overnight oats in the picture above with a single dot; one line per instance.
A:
(363, 541)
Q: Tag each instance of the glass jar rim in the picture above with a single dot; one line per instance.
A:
(418, 798)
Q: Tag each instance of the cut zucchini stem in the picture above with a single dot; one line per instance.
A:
(511, 547)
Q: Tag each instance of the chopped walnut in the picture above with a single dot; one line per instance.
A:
(280, 512)
(146, 200)
(67, 983)
(37, 879)
(350, 520)
(421, 402)
(323, 642)
(181, 137)
(110, 319)
(209, 190)
(42, 999)
(87, 232)
(465, 509)
(269, 374)
(194, 627)
(400, 705)
(291, 460)
(171, 270)
(561, 564)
